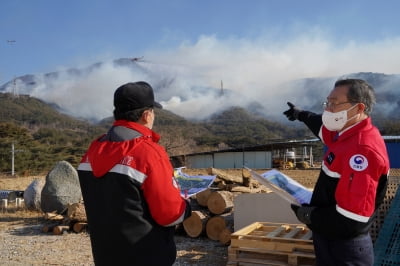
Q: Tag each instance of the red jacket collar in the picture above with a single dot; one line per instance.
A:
(362, 125)
(103, 155)
(145, 131)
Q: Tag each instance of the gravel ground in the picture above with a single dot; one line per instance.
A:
(22, 242)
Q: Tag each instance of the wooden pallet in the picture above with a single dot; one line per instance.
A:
(263, 243)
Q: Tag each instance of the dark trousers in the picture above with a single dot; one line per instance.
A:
(357, 251)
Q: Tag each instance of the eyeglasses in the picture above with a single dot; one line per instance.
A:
(332, 105)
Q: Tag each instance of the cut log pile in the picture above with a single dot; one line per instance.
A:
(212, 209)
(73, 220)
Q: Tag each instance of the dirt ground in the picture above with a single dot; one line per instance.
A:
(22, 241)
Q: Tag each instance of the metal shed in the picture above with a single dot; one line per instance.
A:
(262, 156)
(257, 157)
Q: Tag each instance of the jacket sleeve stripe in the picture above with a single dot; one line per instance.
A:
(120, 169)
(129, 171)
(85, 167)
(329, 172)
(352, 215)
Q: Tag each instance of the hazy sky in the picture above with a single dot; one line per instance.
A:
(250, 45)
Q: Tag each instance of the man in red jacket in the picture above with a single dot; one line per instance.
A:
(131, 199)
(353, 178)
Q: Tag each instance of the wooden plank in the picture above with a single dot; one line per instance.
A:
(246, 230)
(260, 231)
(250, 257)
(277, 231)
(257, 227)
(293, 232)
(271, 245)
(307, 236)
(307, 254)
(281, 239)
(292, 260)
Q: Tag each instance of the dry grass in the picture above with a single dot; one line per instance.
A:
(16, 216)
(13, 217)
(17, 182)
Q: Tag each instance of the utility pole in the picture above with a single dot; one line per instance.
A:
(13, 151)
(12, 158)
(15, 88)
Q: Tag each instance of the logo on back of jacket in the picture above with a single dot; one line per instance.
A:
(127, 160)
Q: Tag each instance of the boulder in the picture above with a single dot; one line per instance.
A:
(61, 188)
(32, 194)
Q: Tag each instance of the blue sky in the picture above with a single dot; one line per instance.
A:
(53, 33)
(243, 43)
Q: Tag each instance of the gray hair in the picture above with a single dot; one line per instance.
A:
(359, 92)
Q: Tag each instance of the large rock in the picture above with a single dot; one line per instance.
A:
(32, 194)
(61, 188)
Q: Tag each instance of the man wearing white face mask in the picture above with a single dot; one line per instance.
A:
(353, 178)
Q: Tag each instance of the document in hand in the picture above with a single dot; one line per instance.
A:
(284, 186)
(191, 185)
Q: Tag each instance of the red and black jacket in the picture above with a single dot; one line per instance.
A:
(353, 178)
(131, 199)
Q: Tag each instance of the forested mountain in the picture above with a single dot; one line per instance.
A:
(42, 135)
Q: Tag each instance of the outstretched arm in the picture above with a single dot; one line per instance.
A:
(312, 120)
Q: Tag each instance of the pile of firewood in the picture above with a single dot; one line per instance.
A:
(212, 209)
(73, 219)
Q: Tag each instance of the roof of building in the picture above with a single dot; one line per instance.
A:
(272, 145)
(282, 144)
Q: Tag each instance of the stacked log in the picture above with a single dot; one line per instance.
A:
(202, 197)
(79, 227)
(220, 202)
(195, 225)
(76, 212)
(225, 236)
(224, 176)
(212, 214)
(75, 220)
(214, 219)
(220, 227)
(60, 229)
(48, 228)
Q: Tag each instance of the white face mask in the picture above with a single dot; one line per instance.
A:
(336, 121)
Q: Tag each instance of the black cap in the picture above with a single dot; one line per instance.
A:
(134, 95)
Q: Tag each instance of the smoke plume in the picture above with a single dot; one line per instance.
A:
(195, 80)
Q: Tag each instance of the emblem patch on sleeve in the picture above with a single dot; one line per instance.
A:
(330, 158)
(358, 162)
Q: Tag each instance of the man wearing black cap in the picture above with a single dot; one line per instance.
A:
(132, 202)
